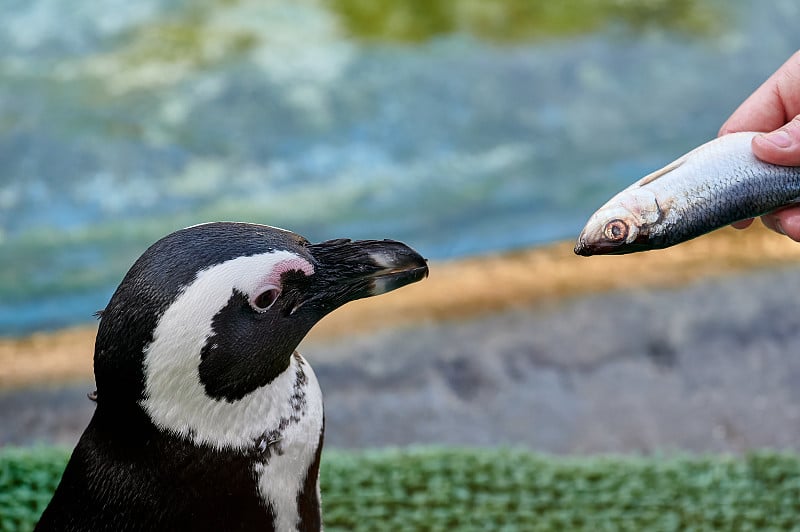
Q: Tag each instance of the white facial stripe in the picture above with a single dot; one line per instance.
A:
(175, 399)
(281, 478)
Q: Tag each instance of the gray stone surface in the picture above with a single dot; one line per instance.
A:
(713, 366)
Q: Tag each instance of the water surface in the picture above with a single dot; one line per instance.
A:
(459, 127)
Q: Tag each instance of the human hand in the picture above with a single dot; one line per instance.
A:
(774, 107)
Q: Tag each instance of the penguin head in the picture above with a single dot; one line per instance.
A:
(217, 310)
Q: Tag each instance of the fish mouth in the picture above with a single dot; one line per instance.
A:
(587, 248)
(582, 249)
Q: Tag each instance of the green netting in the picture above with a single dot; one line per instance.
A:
(489, 489)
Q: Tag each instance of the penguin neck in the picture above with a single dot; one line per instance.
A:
(288, 473)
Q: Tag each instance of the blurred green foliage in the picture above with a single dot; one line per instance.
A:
(28, 478)
(191, 35)
(201, 33)
(490, 489)
(517, 20)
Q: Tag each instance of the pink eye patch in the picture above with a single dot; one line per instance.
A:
(287, 265)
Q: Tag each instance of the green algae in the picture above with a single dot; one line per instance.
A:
(204, 34)
(513, 21)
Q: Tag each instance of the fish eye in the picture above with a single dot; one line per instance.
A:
(616, 230)
(263, 301)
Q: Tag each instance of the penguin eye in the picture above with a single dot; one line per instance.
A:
(265, 299)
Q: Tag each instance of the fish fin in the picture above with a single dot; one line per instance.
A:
(649, 178)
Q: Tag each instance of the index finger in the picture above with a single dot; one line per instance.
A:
(772, 105)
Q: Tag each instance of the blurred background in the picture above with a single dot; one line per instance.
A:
(481, 133)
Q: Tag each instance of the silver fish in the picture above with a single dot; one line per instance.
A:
(714, 185)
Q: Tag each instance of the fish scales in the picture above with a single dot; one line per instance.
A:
(712, 186)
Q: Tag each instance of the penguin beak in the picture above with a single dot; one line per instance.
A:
(350, 270)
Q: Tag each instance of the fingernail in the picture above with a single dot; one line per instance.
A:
(779, 138)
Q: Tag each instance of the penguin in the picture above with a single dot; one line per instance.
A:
(206, 416)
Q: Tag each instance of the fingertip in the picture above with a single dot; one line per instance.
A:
(742, 224)
(732, 125)
(788, 221)
(771, 223)
(765, 149)
(781, 146)
(724, 130)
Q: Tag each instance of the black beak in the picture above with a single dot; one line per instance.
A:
(348, 270)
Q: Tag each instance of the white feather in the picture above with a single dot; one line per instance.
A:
(278, 480)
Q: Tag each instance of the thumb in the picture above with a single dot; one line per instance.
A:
(781, 146)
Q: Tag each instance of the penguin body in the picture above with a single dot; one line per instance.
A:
(207, 418)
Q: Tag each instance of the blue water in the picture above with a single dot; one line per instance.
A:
(456, 144)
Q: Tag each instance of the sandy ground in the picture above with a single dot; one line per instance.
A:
(693, 348)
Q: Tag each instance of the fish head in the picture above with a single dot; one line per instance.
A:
(620, 226)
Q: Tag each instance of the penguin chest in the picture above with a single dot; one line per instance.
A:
(288, 469)
(278, 427)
